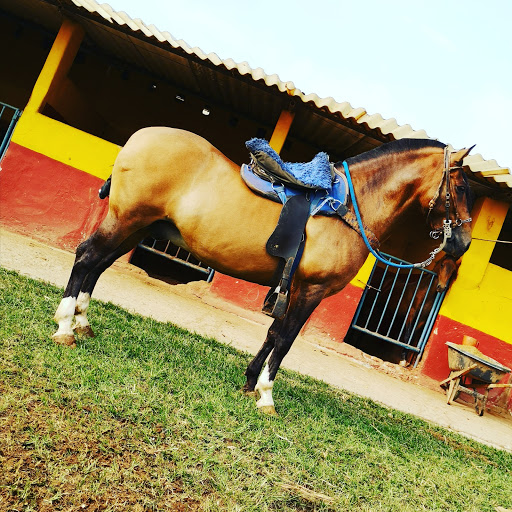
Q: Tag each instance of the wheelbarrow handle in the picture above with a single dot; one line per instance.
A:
(460, 373)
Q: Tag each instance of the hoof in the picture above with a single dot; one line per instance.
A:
(249, 393)
(268, 409)
(65, 339)
(249, 390)
(85, 331)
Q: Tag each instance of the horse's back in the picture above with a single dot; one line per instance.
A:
(163, 164)
(155, 135)
(157, 145)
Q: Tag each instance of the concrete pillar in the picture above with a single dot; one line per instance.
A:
(59, 61)
(281, 130)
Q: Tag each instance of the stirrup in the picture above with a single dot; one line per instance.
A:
(276, 303)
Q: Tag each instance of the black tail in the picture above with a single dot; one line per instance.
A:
(104, 191)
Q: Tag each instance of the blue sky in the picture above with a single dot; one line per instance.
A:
(442, 66)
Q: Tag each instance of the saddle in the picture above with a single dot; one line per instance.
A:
(304, 189)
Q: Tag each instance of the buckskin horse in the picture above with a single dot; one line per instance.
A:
(172, 183)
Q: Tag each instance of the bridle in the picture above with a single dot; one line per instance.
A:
(445, 230)
(448, 224)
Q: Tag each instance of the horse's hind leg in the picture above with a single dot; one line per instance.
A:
(86, 257)
(304, 299)
(82, 326)
(96, 251)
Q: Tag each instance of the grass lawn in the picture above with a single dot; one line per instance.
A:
(147, 416)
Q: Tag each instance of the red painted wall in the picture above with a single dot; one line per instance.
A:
(48, 200)
(435, 359)
(334, 314)
(331, 318)
(242, 293)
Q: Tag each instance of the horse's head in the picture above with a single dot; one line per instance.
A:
(446, 268)
(450, 209)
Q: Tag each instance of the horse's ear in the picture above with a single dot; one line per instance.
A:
(457, 156)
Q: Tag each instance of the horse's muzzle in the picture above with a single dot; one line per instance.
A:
(458, 243)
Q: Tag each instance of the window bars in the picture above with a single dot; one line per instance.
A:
(8, 118)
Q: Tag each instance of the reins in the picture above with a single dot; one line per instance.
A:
(445, 230)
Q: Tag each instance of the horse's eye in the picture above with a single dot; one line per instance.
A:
(461, 189)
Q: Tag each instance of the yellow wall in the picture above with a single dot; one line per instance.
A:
(281, 130)
(486, 307)
(52, 138)
(481, 296)
(65, 144)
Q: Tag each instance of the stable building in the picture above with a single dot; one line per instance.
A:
(79, 78)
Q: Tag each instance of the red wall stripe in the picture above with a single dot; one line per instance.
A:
(48, 200)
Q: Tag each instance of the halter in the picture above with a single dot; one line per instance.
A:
(446, 228)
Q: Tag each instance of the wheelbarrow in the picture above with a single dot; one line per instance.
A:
(484, 372)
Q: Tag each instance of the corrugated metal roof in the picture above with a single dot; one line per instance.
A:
(345, 110)
(337, 127)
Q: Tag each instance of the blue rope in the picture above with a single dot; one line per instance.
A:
(360, 222)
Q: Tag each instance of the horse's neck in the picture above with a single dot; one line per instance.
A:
(390, 188)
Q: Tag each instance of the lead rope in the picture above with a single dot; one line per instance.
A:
(447, 229)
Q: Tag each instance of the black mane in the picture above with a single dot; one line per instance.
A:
(396, 146)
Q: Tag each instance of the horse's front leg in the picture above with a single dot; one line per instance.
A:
(255, 366)
(304, 299)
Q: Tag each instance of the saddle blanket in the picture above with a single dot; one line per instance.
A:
(315, 175)
(329, 201)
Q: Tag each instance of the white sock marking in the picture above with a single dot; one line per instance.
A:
(264, 388)
(64, 315)
(82, 304)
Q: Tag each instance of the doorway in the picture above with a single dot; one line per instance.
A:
(396, 313)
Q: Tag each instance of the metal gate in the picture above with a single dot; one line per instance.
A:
(168, 250)
(399, 306)
(8, 118)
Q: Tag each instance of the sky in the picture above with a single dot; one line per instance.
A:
(444, 66)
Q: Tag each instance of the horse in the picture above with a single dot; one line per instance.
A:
(170, 183)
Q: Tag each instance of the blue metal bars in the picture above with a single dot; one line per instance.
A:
(399, 306)
(167, 249)
(8, 117)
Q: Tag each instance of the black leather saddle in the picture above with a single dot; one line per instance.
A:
(304, 189)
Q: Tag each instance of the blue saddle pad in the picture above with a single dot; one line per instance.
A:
(330, 201)
(314, 175)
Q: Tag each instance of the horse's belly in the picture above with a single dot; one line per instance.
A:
(233, 254)
(230, 234)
